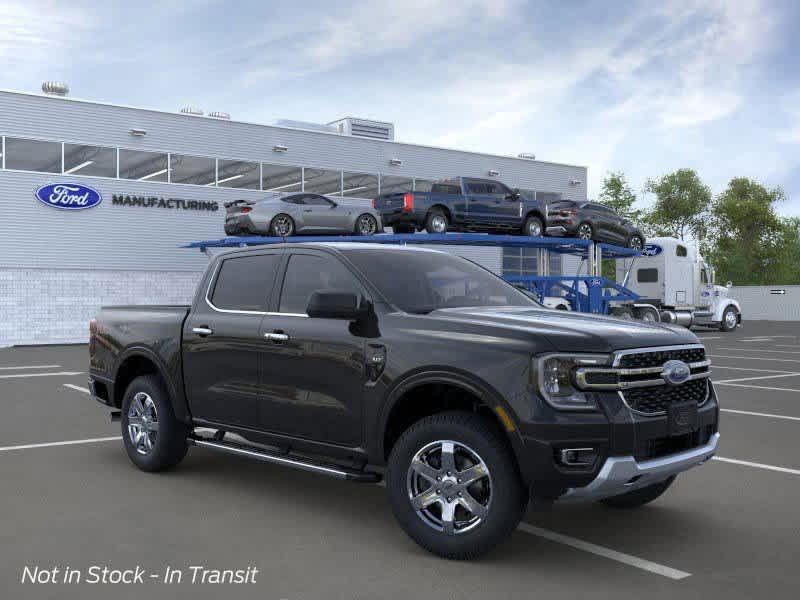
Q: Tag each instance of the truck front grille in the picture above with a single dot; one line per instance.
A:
(637, 360)
(654, 400)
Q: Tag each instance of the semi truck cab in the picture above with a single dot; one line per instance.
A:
(672, 276)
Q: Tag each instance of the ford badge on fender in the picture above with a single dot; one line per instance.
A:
(69, 196)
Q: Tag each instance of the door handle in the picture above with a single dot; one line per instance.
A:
(203, 331)
(277, 337)
(308, 210)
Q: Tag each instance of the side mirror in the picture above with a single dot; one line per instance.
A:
(514, 195)
(334, 305)
(729, 285)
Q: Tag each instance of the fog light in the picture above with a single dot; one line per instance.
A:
(577, 457)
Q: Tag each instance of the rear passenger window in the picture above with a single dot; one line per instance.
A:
(680, 251)
(244, 283)
(647, 275)
(446, 188)
(306, 274)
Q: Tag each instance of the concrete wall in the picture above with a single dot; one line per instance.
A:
(767, 303)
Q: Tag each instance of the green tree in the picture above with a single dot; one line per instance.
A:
(618, 195)
(681, 205)
(749, 243)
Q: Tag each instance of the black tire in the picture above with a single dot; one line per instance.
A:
(648, 314)
(362, 229)
(169, 445)
(585, 231)
(403, 228)
(729, 324)
(229, 230)
(534, 227)
(437, 221)
(277, 224)
(506, 502)
(639, 497)
(636, 242)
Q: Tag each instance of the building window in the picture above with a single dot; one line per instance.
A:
(95, 161)
(195, 170)
(238, 174)
(144, 166)
(33, 155)
(396, 185)
(280, 178)
(360, 185)
(524, 261)
(323, 181)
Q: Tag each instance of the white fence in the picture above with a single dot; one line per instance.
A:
(768, 302)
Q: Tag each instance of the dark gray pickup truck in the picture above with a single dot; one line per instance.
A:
(464, 204)
(364, 362)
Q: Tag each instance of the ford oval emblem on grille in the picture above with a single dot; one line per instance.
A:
(68, 196)
(675, 372)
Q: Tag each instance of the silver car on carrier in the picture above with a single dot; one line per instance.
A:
(283, 215)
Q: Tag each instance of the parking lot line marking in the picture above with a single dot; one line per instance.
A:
(64, 443)
(757, 387)
(759, 414)
(786, 345)
(747, 463)
(760, 377)
(18, 375)
(77, 388)
(30, 367)
(710, 337)
(628, 559)
(794, 360)
(763, 350)
(715, 366)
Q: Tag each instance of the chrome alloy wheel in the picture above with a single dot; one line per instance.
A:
(439, 224)
(636, 243)
(585, 231)
(534, 228)
(367, 225)
(142, 423)
(283, 226)
(449, 486)
(730, 319)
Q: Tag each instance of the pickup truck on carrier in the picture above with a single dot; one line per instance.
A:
(464, 204)
(341, 359)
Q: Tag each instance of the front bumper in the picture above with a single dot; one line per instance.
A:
(621, 474)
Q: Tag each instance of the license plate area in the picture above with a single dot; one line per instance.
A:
(682, 418)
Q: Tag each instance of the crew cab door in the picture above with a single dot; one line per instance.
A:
(480, 204)
(222, 339)
(313, 370)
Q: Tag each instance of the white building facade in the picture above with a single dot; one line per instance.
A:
(162, 179)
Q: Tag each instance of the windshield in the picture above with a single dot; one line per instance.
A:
(419, 282)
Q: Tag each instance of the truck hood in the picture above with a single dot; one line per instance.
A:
(572, 332)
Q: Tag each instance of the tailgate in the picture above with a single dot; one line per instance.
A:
(390, 202)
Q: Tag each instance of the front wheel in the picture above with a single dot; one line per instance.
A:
(533, 227)
(366, 224)
(730, 319)
(154, 439)
(639, 497)
(453, 485)
(635, 242)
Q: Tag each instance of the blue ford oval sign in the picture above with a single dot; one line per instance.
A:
(676, 372)
(68, 196)
(652, 250)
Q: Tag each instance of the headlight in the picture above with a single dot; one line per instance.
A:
(555, 379)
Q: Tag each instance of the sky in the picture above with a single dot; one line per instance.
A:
(639, 87)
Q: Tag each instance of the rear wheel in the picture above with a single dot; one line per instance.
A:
(585, 231)
(282, 225)
(730, 319)
(366, 224)
(436, 222)
(154, 439)
(648, 314)
(453, 485)
(639, 497)
(533, 227)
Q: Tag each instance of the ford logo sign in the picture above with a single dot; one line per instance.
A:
(68, 196)
(675, 372)
(652, 250)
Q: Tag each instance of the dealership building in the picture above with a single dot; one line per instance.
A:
(161, 179)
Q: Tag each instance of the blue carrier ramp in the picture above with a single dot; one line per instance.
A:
(585, 293)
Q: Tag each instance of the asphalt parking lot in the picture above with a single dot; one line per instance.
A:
(71, 499)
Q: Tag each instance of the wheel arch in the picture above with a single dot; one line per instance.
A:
(535, 212)
(408, 401)
(444, 209)
(136, 361)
